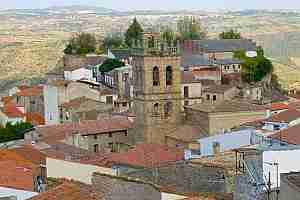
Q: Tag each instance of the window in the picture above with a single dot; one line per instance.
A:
(96, 148)
(169, 75)
(109, 135)
(186, 91)
(186, 103)
(216, 147)
(109, 99)
(214, 97)
(111, 146)
(155, 76)
(124, 104)
(32, 102)
(156, 109)
(95, 137)
(168, 109)
(207, 97)
(126, 134)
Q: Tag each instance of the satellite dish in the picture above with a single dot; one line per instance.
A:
(251, 54)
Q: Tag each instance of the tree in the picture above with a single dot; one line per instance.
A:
(230, 35)
(81, 43)
(254, 69)
(190, 29)
(113, 42)
(110, 64)
(134, 33)
(14, 131)
(168, 35)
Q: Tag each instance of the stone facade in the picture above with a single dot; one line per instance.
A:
(108, 142)
(120, 188)
(157, 103)
(289, 190)
(213, 123)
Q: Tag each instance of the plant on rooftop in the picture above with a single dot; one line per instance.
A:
(254, 69)
(231, 34)
(81, 44)
(134, 33)
(110, 64)
(14, 131)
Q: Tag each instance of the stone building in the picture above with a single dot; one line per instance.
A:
(290, 185)
(157, 88)
(218, 93)
(222, 116)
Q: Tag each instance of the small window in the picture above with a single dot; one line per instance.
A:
(95, 137)
(126, 134)
(169, 75)
(96, 148)
(214, 97)
(110, 135)
(109, 99)
(186, 103)
(186, 91)
(155, 76)
(216, 147)
(155, 109)
(124, 104)
(207, 97)
(32, 102)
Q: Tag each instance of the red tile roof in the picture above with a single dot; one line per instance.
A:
(290, 135)
(30, 154)
(70, 191)
(15, 175)
(142, 155)
(32, 91)
(286, 116)
(15, 171)
(279, 106)
(6, 99)
(10, 110)
(35, 118)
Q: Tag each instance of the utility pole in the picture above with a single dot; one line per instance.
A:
(269, 186)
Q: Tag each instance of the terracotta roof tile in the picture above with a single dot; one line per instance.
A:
(32, 91)
(31, 154)
(70, 191)
(6, 99)
(286, 116)
(279, 106)
(142, 155)
(290, 135)
(11, 110)
(15, 175)
(35, 118)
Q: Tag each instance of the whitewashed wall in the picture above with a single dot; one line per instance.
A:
(288, 161)
(20, 194)
(76, 171)
(227, 141)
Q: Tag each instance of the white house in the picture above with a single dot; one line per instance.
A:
(225, 142)
(17, 194)
(79, 73)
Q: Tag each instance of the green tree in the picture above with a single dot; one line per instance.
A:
(113, 42)
(110, 64)
(134, 33)
(168, 35)
(230, 35)
(254, 69)
(190, 29)
(81, 43)
(13, 131)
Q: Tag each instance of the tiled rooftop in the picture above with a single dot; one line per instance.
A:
(35, 118)
(228, 106)
(70, 191)
(279, 106)
(12, 111)
(32, 91)
(286, 116)
(290, 135)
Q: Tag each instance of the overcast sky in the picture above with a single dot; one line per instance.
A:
(157, 4)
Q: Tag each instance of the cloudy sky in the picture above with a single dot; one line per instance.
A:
(157, 4)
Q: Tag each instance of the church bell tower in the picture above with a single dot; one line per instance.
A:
(157, 87)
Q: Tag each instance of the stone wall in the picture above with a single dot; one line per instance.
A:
(121, 188)
(184, 177)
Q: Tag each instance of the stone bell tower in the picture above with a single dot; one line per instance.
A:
(157, 87)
